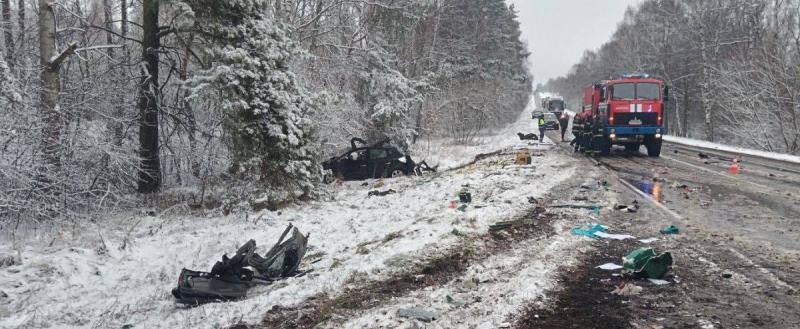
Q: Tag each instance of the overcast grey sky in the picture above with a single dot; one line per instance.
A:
(558, 31)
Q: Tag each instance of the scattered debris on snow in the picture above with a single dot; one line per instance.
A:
(417, 313)
(627, 289)
(610, 267)
(644, 262)
(613, 236)
(670, 230)
(658, 282)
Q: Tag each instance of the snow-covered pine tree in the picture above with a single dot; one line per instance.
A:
(266, 109)
(390, 99)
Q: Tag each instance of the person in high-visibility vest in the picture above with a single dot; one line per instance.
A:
(541, 128)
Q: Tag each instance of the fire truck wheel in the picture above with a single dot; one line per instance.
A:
(653, 147)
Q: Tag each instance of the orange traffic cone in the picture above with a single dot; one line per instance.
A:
(734, 169)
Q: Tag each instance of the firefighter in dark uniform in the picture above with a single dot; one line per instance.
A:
(563, 121)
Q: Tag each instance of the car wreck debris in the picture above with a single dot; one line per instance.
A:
(634, 207)
(500, 226)
(658, 282)
(504, 225)
(523, 157)
(465, 197)
(589, 230)
(613, 236)
(382, 159)
(627, 289)
(609, 267)
(230, 278)
(528, 137)
(645, 263)
(672, 229)
(380, 193)
(417, 313)
(454, 301)
(575, 206)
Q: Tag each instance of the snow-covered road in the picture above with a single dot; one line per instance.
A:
(81, 277)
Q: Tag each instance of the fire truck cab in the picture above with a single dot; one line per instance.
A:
(627, 111)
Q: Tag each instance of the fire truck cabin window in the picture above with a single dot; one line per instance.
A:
(624, 91)
(648, 91)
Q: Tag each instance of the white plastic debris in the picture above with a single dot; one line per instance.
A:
(628, 289)
(659, 282)
(613, 236)
(609, 267)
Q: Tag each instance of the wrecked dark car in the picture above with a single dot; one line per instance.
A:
(378, 160)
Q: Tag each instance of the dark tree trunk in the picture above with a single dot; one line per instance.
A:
(7, 31)
(123, 17)
(21, 20)
(150, 169)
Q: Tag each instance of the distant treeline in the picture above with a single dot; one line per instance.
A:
(733, 65)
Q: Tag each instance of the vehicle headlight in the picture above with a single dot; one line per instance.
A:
(402, 159)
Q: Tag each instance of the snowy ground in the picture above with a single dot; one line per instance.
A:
(81, 277)
(507, 283)
(447, 155)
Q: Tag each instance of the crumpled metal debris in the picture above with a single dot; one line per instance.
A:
(417, 313)
(380, 193)
(531, 136)
(672, 229)
(634, 207)
(589, 230)
(230, 278)
(644, 262)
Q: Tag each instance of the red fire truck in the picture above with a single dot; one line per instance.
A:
(628, 110)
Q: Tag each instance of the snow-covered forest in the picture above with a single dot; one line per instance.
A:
(106, 101)
(732, 65)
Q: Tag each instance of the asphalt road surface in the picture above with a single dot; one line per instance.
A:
(736, 256)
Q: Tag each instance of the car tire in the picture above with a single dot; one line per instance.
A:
(327, 179)
(397, 172)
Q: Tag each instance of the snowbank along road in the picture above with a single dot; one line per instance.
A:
(376, 258)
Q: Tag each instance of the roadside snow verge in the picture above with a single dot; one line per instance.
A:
(733, 149)
(80, 280)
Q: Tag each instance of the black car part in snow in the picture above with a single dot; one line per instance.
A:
(371, 161)
(531, 136)
(230, 278)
